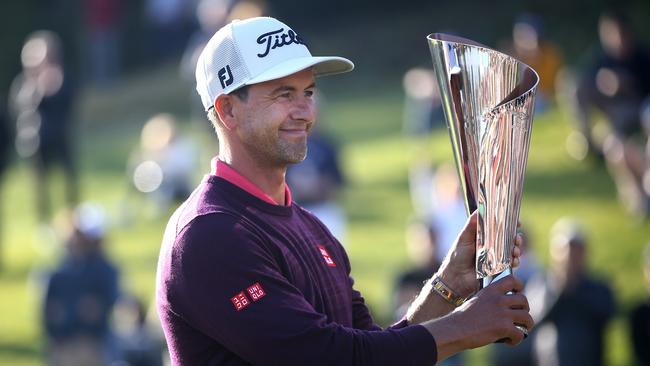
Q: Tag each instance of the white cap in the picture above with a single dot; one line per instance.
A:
(255, 50)
(90, 219)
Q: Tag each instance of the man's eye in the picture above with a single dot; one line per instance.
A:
(286, 95)
(309, 93)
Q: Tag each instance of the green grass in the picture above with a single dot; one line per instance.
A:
(376, 157)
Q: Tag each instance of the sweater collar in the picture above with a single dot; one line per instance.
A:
(225, 171)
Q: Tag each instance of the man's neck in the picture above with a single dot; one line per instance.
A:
(269, 179)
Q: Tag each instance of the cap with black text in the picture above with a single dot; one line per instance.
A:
(255, 50)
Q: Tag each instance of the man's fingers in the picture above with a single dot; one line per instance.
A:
(520, 318)
(472, 220)
(515, 336)
(516, 301)
(468, 235)
(519, 240)
(523, 318)
(507, 284)
(515, 262)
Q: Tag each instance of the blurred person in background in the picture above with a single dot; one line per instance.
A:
(522, 355)
(137, 344)
(6, 140)
(103, 45)
(422, 106)
(571, 307)
(317, 181)
(640, 318)
(615, 84)
(167, 21)
(423, 252)
(164, 164)
(6, 137)
(155, 330)
(211, 15)
(530, 47)
(436, 196)
(80, 294)
(41, 102)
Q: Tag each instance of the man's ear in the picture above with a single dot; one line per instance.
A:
(224, 108)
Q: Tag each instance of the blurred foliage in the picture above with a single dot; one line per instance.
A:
(381, 35)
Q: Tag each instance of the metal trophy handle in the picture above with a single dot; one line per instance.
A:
(488, 99)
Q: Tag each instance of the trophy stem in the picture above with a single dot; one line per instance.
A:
(489, 279)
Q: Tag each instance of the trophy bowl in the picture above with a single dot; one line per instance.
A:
(488, 100)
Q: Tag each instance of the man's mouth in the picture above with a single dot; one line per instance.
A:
(295, 131)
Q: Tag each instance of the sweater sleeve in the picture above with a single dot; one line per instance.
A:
(228, 286)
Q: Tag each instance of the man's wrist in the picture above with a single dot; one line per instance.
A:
(446, 292)
(455, 282)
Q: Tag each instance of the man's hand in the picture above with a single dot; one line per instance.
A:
(489, 316)
(458, 270)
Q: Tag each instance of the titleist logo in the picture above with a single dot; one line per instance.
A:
(277, 39)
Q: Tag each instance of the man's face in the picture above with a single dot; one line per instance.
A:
(570, 257)
(276, 118)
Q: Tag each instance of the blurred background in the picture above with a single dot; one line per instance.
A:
(102, 136)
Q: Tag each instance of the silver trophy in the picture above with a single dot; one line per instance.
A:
(488, 99)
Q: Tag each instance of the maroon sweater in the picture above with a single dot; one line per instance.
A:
(242, 281)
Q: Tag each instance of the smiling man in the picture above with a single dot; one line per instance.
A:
(248, 277)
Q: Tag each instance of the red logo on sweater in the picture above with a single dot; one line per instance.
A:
(240, 301)
(256, 291)
(326, 256)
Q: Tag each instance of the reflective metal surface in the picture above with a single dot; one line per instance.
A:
(488, 99)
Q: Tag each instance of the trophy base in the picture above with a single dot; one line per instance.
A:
(487, 280)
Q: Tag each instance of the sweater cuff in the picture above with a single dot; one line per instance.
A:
(421, 344)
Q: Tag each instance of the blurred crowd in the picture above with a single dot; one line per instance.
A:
(89, 319)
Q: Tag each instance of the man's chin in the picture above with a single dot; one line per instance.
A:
(297, 159)
(295, 155)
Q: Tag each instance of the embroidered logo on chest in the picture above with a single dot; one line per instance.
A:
(256, 291)
(240, 301)
(326, 256)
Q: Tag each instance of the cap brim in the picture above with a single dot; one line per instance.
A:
(321, 65)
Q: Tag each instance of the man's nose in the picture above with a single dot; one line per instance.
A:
(304, 109)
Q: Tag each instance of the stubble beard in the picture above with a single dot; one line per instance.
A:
(272, 150)
(292, 153)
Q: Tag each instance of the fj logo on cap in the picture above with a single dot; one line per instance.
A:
(277, 39)
(225, 76)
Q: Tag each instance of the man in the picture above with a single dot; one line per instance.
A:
(80, 295)
(42, 101)
(246, 276)
(571, 307)
(617, 83)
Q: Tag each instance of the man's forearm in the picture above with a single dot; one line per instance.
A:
(428, 305)
(450, 338)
